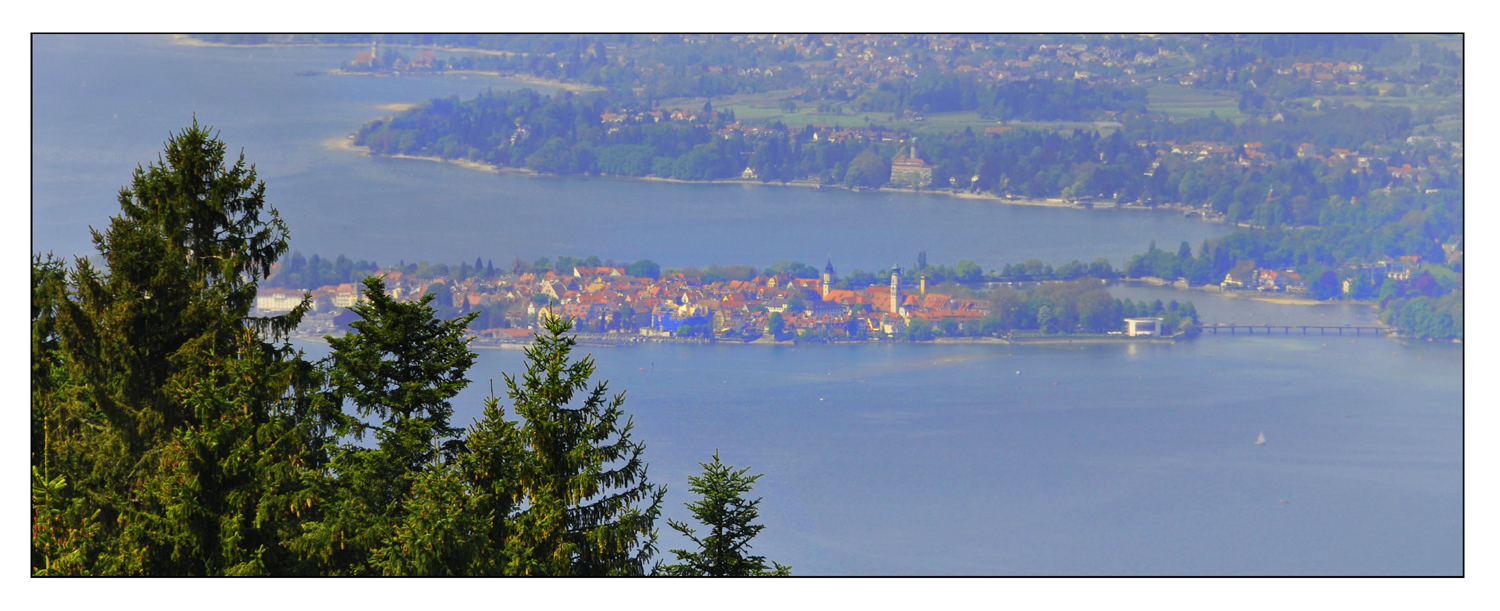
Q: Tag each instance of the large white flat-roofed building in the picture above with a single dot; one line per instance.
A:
(277, 300)
(1137, 327)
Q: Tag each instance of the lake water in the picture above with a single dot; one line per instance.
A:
(879, 459)
(106, 103)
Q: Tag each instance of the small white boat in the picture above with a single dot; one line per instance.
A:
(1260, 441)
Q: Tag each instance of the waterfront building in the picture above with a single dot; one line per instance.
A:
(1138, 327)
(907, 170)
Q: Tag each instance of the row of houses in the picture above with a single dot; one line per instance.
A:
(606, 299)
(1248, 277)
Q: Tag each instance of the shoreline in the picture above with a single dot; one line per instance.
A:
(347, 144)
(187, 41)
(942, 341)
(525, 79)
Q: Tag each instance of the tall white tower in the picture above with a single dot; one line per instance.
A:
(895, 289)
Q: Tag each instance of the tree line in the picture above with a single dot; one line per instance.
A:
(564, 135)
(1080, 306)
(174, 434)
(1378, 226)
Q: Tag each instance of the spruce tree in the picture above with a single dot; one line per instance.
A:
(581, 465)
(721, 506)
(400, 366)
(153, 445)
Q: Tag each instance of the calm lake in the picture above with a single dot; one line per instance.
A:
(878, 459)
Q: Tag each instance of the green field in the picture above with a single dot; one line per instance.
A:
(1181, 102)
(766, 108)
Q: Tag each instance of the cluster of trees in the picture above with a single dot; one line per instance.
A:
(564, 135)
(560, 135)
(1424, 316)
(302, 272)
(1078, 306)
(1382, 225)
(173, 434)
(969, 273)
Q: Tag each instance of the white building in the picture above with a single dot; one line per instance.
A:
(1137, 327)
(277, 300)
(346, 296)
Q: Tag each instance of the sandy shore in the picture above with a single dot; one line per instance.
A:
(347, 144)
(188, 41)
(531, 80)
(523, 78)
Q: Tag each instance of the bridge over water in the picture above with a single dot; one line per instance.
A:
(1235, 329)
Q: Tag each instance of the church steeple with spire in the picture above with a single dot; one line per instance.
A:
(828, 277)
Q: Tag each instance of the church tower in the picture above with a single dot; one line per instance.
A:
(827, 278)
(895, 289)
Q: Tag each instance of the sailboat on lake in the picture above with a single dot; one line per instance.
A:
(1260, 441)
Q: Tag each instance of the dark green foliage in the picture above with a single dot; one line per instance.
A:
(402, 364)
(303, 273)
(730, 518)
(1381, 225)
(868, 169)
(581, 464)
(919, 330)
(398, 366)
(1070, 307)
(1427, 318)
(644, 268)
(173, 429)
(795, 269)
(565, 134)
(172, 434)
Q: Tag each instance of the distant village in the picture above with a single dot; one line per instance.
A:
(605, 301)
